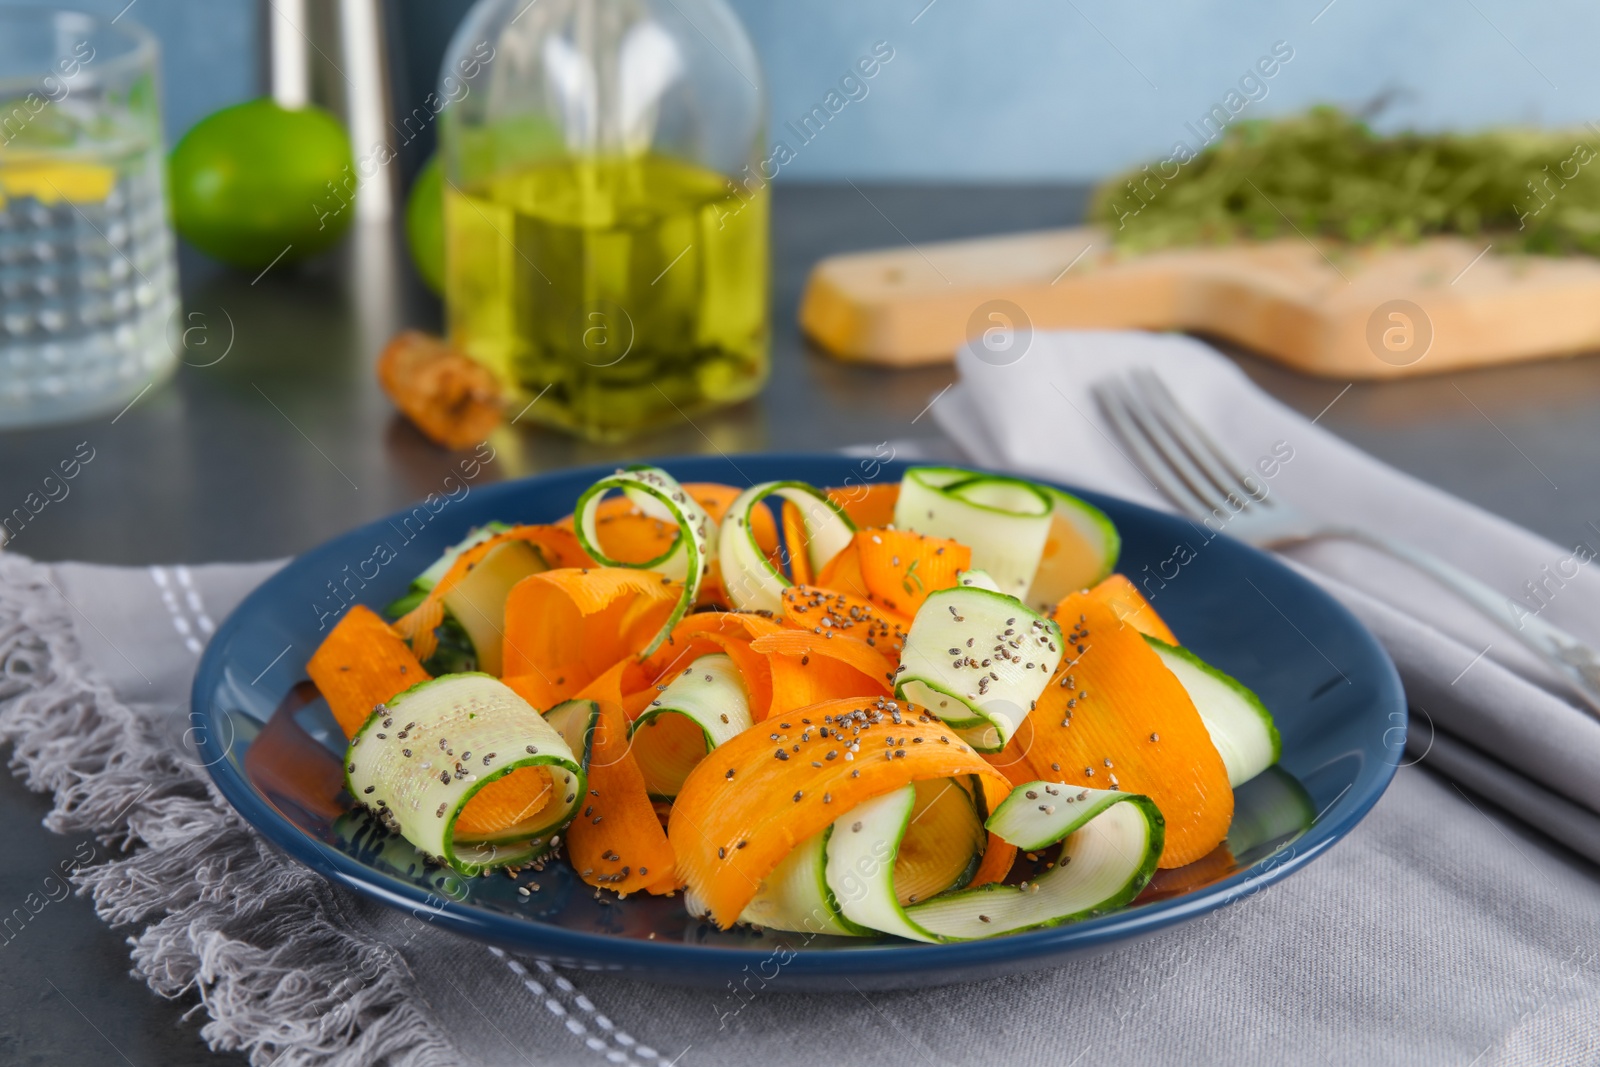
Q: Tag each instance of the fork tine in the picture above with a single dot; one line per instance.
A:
(1160, 410)
(1213, 495)
(1218, 464)
(1112, 398)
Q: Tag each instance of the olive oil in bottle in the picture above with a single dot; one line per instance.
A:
(619, 293)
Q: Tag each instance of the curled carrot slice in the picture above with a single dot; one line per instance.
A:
(1123, 597)
(807, 607)
(900, 567)
(742, 810)
(628, 534)
(569, 626)
(843, 574)
(505, 802)
(869, 504)
(794, 543)
(895, 569)
(1113, 717)
(558, 547)
(616, 842)
(809, 668)
(360, 664)
(866, 505)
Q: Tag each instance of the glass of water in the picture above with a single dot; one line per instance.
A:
(88, 281)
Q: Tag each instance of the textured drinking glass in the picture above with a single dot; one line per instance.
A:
(88, 282)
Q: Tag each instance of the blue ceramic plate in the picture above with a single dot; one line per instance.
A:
(273, 747)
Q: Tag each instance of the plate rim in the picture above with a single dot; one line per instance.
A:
(877, 959)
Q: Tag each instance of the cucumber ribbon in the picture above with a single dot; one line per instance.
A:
(657, 494)
(978, 659)
(843, 880)
(751, 580)
(421, 757)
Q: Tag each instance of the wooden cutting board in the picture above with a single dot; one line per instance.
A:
(1437, 305)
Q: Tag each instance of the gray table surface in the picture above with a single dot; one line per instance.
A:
(287, 441)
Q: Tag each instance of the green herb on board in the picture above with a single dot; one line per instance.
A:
(1325, 173)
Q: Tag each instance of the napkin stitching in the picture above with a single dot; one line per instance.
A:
(169, 599)
(557, 1008)
(257, 939)
(191, 595)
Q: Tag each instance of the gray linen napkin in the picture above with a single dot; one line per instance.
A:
(1473, 689)
(1437, 933)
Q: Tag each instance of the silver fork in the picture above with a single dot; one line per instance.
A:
(1199, 476)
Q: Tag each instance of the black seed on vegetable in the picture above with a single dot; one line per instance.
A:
(370, 789)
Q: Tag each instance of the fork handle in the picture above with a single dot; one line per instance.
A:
(1567, 655)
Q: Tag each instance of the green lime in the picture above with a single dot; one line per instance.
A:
(425, 224)
(255, 179)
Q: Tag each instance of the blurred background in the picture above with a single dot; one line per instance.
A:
(1092, 85)
(983, 120)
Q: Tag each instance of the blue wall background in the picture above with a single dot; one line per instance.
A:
(1039, 89)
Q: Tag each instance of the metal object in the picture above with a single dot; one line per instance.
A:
(334, 53)
(1206, 483)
